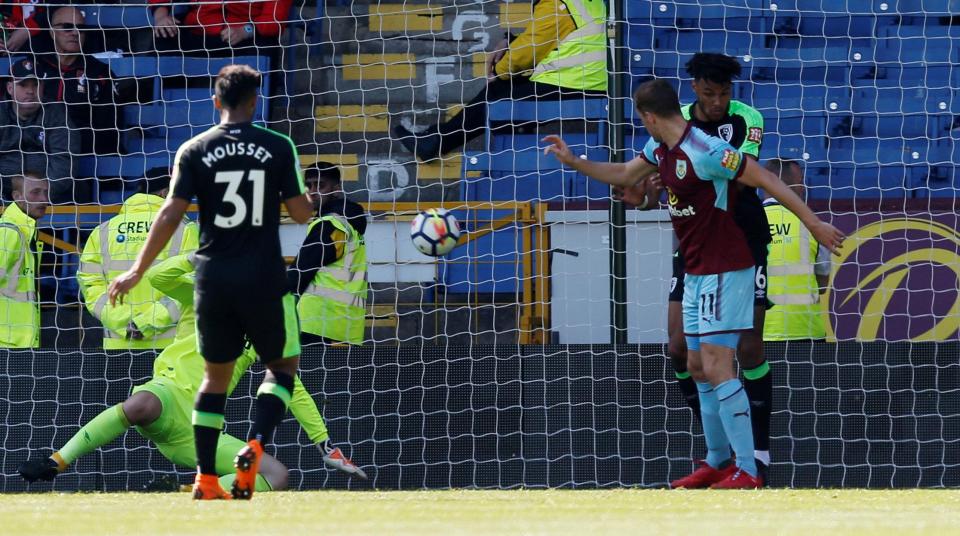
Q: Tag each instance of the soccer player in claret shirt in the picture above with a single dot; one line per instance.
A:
(239, 173)
(698, 172)
(740, 125)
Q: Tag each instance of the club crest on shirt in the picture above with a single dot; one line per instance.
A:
(730, 159)
(725, 132)
(681, 169)
(755, 134)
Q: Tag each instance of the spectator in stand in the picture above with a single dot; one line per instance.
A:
(21, 22)
(84, 83)
(34, 136)
(561, 54)
(223, 29)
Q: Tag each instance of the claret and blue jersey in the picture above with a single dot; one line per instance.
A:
(697, 174)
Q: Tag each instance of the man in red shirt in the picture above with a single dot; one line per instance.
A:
(221, 28)
(21, 22)
(230, 29)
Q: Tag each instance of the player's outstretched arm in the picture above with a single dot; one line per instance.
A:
(171, 278)
(615, 174)
(827, 235)
(169, 217)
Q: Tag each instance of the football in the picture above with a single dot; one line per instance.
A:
(435, 232)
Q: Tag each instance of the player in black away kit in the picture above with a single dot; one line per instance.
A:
(239, 173)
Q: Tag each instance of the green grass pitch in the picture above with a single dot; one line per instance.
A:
(581, 513)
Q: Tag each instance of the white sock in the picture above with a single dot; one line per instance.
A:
(762, 456)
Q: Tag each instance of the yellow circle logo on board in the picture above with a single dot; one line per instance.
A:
(896, 280)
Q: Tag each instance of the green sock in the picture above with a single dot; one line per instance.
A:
(226, 481)
(110, 424)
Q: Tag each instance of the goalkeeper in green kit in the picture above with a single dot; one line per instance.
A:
(161, 408)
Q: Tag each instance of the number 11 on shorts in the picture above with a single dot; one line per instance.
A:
(708, 306)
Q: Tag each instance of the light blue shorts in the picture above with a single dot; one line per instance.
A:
(718, 303)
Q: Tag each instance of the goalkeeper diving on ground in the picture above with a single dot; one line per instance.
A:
(161, 408)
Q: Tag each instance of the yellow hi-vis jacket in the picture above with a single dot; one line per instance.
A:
(334, 305)
(791, 280)
(111, 250)
(580, 59)
(19, 307)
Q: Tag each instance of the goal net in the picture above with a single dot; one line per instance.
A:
(494, 366)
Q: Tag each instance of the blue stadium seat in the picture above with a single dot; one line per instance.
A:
(172, 115)
(873, 152)
(896, 50)
(129, 166)
(794, 146)
(696, 40)
(191, 66)
(816, 41)
(511, 111)
(528, 175)
(834, 7)
(711, 17)
(922, 7)
(769, 93)
(861, 182)
(135, 66)
(806, 124)
(153, 145)
(833, 66)
(911, 76)
(825, 24)
(640, 36)
(893, 112)
(130, 17)
(917, 34)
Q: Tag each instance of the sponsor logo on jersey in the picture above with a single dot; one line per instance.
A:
(672, 201)
(755, 134)
(725, 132)
(730, 159)
(681, 169)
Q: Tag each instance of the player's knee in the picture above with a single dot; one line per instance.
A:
(142, 408)
(284, 366)
(275, 472)
(695, 368)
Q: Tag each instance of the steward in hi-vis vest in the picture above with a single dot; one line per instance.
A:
(19, 261)
(330, 271)
(797, 269)
(146, 319)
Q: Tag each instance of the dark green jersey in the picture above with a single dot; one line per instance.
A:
(742, 128)
(239, 174)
